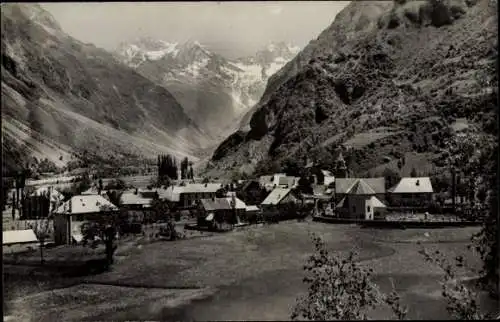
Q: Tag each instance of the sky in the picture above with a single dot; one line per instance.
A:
(233, 29)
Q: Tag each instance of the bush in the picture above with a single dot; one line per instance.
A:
(116, 184)
(339, 289)
(462, 303)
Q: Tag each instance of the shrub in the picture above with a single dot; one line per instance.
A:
(339, 289)
(462, 302)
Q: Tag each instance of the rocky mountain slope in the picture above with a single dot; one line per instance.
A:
(61, 97)
(214, 91)
(385, 80)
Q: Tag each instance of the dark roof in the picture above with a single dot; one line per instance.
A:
(216, 204)
(346, 185)
(361, 188)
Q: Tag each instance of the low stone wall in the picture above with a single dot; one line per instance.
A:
(397, 224)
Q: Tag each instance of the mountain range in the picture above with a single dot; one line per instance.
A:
(385, 81)
(62, 97)
(214, 91)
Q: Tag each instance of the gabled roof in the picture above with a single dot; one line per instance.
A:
(198, 188)
(287, 181)
(413, 185)
(344, 185)
(85, 204)
(361, 188)
(376, 203)
(276, 196)
(327, 173)
(263, 180)
(341, 203)
(216, 204)
(252, 208)
(11, 237)
(329, 180)
(173, 193)
(240, 204)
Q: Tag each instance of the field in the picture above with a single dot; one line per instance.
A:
(135, 181)
(253, 274)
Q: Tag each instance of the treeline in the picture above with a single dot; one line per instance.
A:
(167, 167)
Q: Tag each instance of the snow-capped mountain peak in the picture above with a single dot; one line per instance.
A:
(225, 89)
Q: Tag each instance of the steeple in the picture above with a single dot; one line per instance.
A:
(341, 170)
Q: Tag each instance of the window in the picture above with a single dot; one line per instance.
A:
(368, 208)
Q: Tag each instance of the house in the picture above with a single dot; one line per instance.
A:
(278, 180)
(23, 239)
(318, 175)
(329, 178)
(321, 199)
(137, 203)
(360, 198)
(251, 192)
(71, 215)
(343, 186)
(137, 199)
(236, 203)
(412, 192)
(216, 213)
(252, 210)
(279, 197)
(187, 196)
(41, 203)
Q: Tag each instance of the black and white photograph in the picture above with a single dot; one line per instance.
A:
(250, 160)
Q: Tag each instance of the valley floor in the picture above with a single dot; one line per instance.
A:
(251, 274)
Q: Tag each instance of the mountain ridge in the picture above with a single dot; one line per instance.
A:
(78, 96)
(395, 83)
(214, 91)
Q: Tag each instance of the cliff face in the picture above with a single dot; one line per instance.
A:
(403, 78)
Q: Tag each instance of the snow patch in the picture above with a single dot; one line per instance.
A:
(273, 68)
(170, 49)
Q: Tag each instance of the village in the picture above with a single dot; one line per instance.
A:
(203, 205)
(88, 230)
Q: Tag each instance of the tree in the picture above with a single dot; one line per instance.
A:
(191, 172)
(116, 184)
(162, 211)
(184, 168)
(41, 228)
(7, 184)
(477, 155)
(413, 173)
(115, 197)
(462, 302)
(291, 167)
(304, 185)
(340, 289)
(391, 178)
(100, 186)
